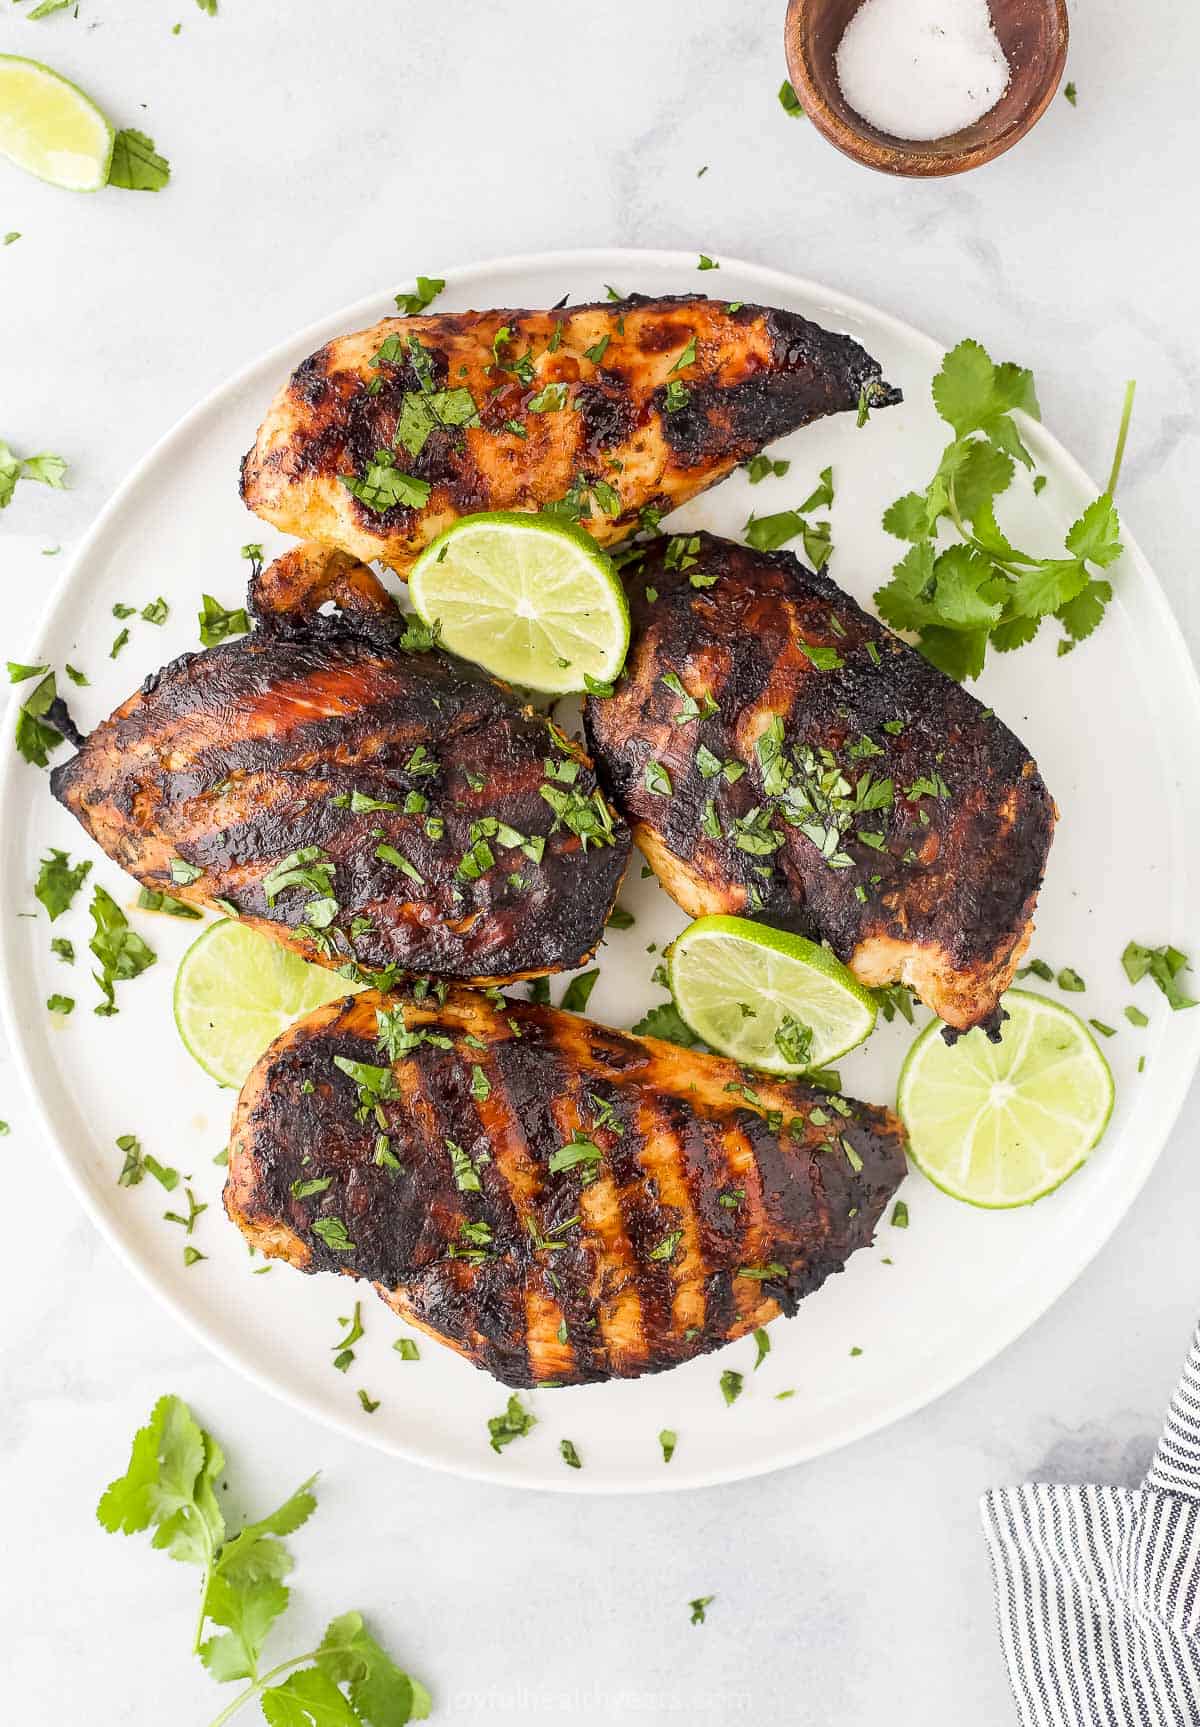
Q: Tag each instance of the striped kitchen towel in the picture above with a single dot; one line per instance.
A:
(1098, 1588)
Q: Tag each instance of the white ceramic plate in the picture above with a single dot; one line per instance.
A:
(1112, 726)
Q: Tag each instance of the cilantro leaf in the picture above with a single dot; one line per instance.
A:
(515, 1423)
(248, 1612)
(1080, 616)
(308, 1698)
(821, 496)
(58, 881)
(577, 992)
(384, 486)
(427, 290)
(908, 517)
(1163, 966)
(136, 165)
(379, 1691)
(1096, 537)
(217, 623)
(666, 1022)
(958, 653)
(168, 1483)
(121, 951)
(35, 736)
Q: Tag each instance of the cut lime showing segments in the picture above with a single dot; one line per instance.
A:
(236, 990)
(766, 998)
(533, 601)
(1003, 1124)
(50, 128)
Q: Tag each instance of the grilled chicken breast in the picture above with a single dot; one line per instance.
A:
(557, 1201)
(381, 439)
(779, 753)
(369, 804)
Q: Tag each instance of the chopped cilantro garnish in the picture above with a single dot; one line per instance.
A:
(58, 881)
(666, 1022)
(657, 779)
(789, 101)
(1163, 966)
(384, 486)
(427, 290)
(333, 1232)
(515, 1423)
(217, 622)
(121, 952)
(578, 992)
(731, 1385)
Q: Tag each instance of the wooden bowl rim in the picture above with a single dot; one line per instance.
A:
(890, 155)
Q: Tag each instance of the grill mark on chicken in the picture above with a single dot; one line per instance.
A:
(233, 759)
(685, 1138)
(755, 374)
(941, 894)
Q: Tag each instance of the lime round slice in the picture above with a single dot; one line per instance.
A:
(50, 128)
(1003, 1124)
(236, 990)
(768, 999)
(533, 601)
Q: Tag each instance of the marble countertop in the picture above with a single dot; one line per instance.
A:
(317, 153)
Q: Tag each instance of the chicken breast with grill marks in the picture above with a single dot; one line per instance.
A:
(356, 794)
(779, 753)
(555, 1200)
(381, 439)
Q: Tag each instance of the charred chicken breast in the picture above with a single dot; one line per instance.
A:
(555, 1200)
(355, 793)
(382, 438)
(779, 753)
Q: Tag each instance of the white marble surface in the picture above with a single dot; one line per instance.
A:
(320, 151)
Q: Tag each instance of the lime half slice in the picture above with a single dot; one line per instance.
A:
(1003, 1124)
(50, 128)
(533, 601)
(768, 999)
(236, 990)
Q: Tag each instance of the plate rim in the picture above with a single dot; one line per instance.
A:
(933, 1386)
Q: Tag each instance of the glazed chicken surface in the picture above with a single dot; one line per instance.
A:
(555, 1200)
(365, 799)
(780, 754)
(381, 439)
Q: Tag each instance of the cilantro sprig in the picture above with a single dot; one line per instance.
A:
(170, 1486)
(982, 589)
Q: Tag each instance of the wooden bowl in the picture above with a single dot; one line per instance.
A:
(1033, 34)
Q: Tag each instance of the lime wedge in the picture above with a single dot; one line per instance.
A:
(768, 999)
(533, 601)
(50, 128)
(236, 990)
(1002, 1124)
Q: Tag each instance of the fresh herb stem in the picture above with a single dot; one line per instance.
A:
(1122, 435)
(259, 1686)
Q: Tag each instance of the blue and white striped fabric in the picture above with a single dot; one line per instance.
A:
(1098, 1588)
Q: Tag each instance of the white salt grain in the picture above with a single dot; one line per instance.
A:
(921, 69)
